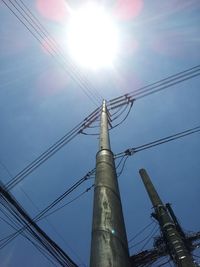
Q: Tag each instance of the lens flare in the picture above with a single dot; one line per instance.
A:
(92, 37)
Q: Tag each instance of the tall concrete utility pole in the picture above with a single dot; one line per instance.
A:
(109, 246)
(175, 244)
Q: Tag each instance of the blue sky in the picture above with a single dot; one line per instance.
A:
(39, 103)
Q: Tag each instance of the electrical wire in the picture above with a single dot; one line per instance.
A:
(149, 236)
(120, 162)
(112, 120)
(27, 196)
(24, 219)
(160, 141)
(41, 214)
(123, 166)
(155, 87)
(173, 78)
(19, 221)
(122, 109)
(51, 151)
(66, 204)
(162, 264)
(131, 105)
(39, 32)
(187, 132)
(53, 228)
(66, 193)
(39, 248)
(141, 231)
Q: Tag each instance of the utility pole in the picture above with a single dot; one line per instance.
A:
(174, 242)
(109, 247)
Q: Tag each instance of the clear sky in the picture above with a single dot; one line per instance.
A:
(39, 103)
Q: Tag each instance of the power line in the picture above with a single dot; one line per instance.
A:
(37, 246)
(52, 150)
(124, 159)
(60, 53)
(155, 87)
(141, 231)
(54, 229)
(45, 211)
(66, 204)
(131, 151)
(149, 236)
(113, 119)
(41, 215)
(53, 47)
(61, 142)
(24, 219)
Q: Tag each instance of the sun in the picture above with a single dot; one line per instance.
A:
(93, 38)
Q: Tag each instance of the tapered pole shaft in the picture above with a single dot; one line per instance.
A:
(109, 246)
(178, 251)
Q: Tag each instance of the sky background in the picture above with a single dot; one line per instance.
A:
(39, 103)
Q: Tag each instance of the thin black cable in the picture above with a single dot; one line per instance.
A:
(155, 85)
(15, 210)
(141, 231)
(158, 260)
(120, 162)
(19, 177)
(131, 105)
(77, 79)
(49, 257)
(123, 166)
(147, 237)
(117, 111)
(196, 127)
(56, 201)
(35, 21)
(66, 204)
(167, 86)
(150, 237)
(151, 90)
(168, 80)
(54, 229)
(49, 152)
(113, 119)
(117, 115)
(160, 141)
(12, 235)
(42, 251)
(8, 223)
(164, 263)
(52, 44)
(165, 141)
(41, 236)
(15, 221)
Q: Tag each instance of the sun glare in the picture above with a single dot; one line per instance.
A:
(92, 37)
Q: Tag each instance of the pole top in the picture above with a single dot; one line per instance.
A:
(142, 171)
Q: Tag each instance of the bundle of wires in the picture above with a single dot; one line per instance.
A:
(23, 13)
(18, 217)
